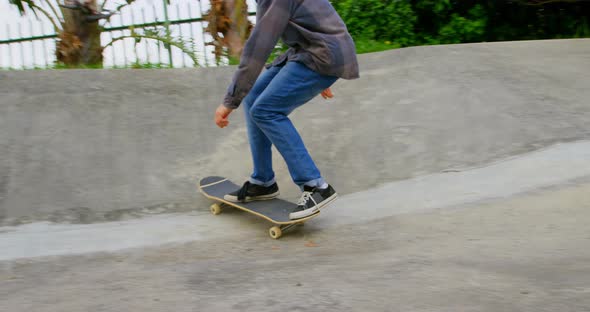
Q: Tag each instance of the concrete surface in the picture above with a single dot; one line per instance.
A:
(464, 169)
(93, 146)
(558, 165)
(524, 253)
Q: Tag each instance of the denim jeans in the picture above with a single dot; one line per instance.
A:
(277, 92)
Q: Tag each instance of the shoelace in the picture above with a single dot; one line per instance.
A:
(243, 192)
(305, 197)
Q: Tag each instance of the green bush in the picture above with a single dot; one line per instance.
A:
(383, 24)
(378, 20)
(465, 29)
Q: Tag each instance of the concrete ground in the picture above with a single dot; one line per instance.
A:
(459, 241)
(464, 172)
(523, 253)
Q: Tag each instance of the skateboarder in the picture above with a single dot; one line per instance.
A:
(320, 52)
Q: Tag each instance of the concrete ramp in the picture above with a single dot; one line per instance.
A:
(86, 146)
(555, 167)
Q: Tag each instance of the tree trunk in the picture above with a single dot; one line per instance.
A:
(239, 28)
(229, 26)
(79, 42)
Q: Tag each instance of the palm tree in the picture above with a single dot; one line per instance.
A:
(76, 26)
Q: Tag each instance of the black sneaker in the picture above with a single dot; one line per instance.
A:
(251, 192)
(312, 200)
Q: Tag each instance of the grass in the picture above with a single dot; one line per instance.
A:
(369, 46)
(61, 66)
(148, 66)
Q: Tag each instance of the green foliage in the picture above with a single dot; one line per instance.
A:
(21, 4)
(417, 22)
(369, 45)
(582, 29)
(464, 29)
(138, 65)
(380, 20)
(52, 15)
(162, 35)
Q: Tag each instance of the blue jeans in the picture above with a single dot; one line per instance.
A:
(277, 92)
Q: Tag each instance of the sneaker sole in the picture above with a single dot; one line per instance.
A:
(328, 200)
(308, 212)
(234, 199)
(303, 213)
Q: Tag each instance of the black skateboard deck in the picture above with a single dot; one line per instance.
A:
(275, 210)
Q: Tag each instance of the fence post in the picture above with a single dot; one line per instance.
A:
(168, 35)
(33, 57)
(44, 46)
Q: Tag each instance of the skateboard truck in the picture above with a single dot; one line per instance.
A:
(276, 231)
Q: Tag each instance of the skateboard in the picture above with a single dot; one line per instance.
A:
(275, 210)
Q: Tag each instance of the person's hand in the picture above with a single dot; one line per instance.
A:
(221, 115)
(327, 94)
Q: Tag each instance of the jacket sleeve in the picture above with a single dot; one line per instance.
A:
(272, 19)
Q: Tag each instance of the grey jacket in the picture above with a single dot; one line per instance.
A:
(314, 32)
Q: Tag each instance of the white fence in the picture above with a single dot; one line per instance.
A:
(29, 41)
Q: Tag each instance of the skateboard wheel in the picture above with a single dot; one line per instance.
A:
(215, 209)
(275, 232)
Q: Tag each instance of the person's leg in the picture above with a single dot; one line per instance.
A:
(260, 145)
(261, 185)
(293, 86)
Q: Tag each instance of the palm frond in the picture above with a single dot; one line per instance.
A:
(20, 4)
